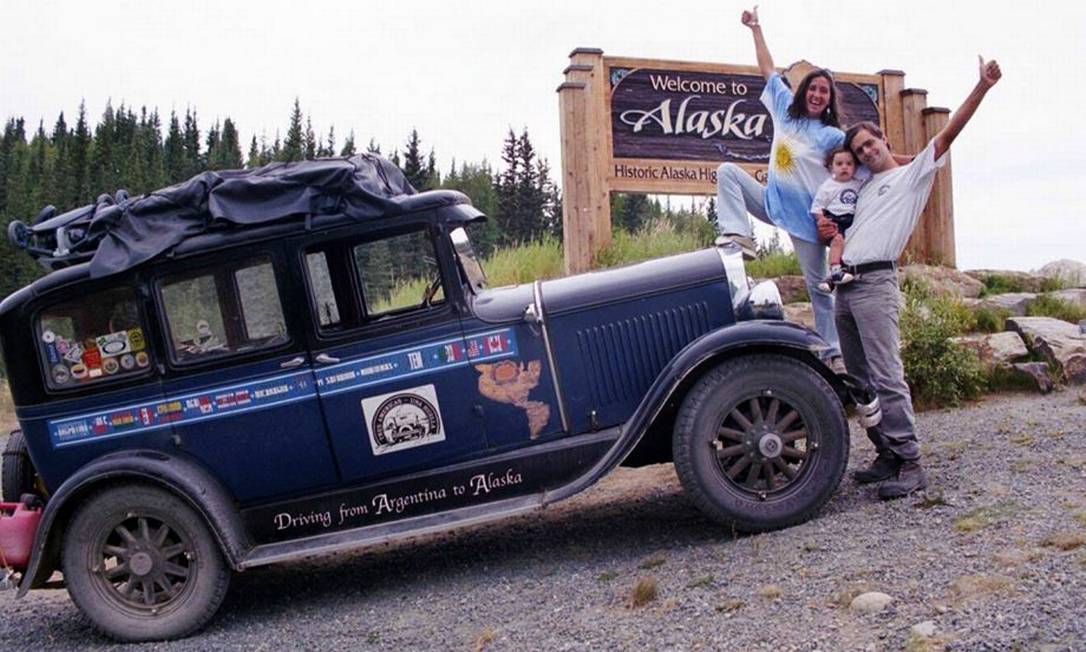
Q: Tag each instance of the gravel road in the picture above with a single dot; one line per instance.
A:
(994, 556)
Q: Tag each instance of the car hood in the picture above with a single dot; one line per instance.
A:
(571, 293)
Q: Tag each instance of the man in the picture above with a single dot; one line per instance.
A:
(867, 309)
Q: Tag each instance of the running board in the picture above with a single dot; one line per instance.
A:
(511, 483)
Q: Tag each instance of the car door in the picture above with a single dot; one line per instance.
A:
(389, 355)
(240, 391)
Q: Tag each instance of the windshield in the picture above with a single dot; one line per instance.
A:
(469, 263)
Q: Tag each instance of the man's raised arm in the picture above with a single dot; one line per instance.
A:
(989, 75)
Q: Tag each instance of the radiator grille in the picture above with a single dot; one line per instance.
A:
(624, 357)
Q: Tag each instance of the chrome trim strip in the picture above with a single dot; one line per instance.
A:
(541, 317)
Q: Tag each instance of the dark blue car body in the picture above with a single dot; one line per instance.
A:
(326, 436)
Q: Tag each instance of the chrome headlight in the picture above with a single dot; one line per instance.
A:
(764, 302)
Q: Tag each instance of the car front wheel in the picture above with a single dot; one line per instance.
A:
(761, 442)
(142, 564)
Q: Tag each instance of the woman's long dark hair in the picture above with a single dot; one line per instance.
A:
(831, 115)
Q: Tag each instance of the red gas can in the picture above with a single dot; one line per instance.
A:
(18, 524)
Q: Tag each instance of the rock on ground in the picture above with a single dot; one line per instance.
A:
(943, 280)
(994, 349)
(1062, 344)
(1070, 272)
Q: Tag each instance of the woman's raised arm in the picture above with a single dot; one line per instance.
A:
(765, 60)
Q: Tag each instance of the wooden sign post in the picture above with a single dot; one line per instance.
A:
(654, 126)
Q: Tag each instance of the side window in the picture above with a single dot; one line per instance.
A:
(93, 338)
(231, 308)
(399, 273)
(320, 277)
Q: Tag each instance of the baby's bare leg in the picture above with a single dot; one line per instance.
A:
(837, 247)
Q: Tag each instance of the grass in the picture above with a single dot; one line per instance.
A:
(644, 592)
(982, 517)
(652, 562)
(657, 239)
(1000, 284)
(973, 585)
(1047, 305)
(484, 639)
(606, 576)
(730, 606)
(774, 265)
(1064, 540)
(701, 582)
(770, 591)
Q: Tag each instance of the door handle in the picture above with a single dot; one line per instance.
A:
(293, 362)
(324, 358)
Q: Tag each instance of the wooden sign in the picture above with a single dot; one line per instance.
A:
(641, 125)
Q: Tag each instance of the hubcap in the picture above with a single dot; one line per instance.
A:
(143, 563)
(762, 445)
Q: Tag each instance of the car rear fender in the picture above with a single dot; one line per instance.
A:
(175, 473)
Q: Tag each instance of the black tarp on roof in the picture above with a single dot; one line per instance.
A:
(119, 233)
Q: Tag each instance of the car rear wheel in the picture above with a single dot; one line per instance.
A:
(761, 442)
(142, 564)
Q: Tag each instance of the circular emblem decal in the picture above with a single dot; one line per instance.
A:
(848, 196)
(110, 366)
(79, 372)
(128, 362)
(142, 359)
(48, 337)
(61, 374)
(404, 417)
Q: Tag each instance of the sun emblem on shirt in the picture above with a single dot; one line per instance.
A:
(784, 161)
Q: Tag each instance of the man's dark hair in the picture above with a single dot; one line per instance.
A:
(865, 125)
(838, 150)
(831, 115)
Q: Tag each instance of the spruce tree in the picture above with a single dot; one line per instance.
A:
(348, 146)
(294, 146)
(253, 161)
(174, 152)
(190, 138)
(77, 187)
(229, 154)
(507, 207)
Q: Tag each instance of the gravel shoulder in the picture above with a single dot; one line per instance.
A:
(994, 555)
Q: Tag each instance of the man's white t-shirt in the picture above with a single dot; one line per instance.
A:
(888, 208)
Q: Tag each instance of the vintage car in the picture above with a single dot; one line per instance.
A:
(257, 366)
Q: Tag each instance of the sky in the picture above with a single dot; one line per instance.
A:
(464, 73)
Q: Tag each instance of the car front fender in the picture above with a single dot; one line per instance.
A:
(176, 473)
(762, 336)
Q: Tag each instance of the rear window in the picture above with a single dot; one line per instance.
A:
(94, 338)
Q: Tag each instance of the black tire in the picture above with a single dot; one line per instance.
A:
(781, 469)
(17, 475)
(142, 565)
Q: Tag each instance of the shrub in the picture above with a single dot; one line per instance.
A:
(1000, 284)
(1047, 305)
(938, 371)
(990, 320)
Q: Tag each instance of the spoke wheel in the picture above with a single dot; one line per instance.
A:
(760, 442)
(142, 565)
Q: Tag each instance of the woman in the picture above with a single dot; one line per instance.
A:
(806, 125)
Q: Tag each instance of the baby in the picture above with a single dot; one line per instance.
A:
(836, 200)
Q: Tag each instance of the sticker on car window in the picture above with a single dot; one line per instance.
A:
(402, 420)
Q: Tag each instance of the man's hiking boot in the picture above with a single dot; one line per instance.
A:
(910, 478)
(745, 242)
(885, 466)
